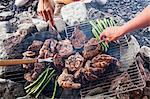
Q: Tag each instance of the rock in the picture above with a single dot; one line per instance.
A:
(40, 24)
(60, 24)
(20, 3)
(29, 27)
(5, 27)
(10, 89)
(110, 11)
(101, 2)
(2, 7)
(6, 15)
(29, 97)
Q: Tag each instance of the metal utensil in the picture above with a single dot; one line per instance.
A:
(24, 61)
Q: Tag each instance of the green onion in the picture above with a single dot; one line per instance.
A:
(55, 87)
(47, 81)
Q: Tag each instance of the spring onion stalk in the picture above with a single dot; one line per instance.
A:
(54, 92)
(47, 81)
(98, 25)
(94, 26)
(105, 21)
(41, 83)
(108, 21)
(37, 80)
(95, 34)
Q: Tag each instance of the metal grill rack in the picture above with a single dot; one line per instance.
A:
(14, 75)
(101, 87)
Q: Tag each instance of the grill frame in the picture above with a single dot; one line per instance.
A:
(121, 44)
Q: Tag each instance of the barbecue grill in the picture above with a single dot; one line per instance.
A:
(102, 86)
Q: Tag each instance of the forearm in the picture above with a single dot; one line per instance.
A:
(140, 21)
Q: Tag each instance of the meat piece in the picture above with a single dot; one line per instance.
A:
(91, 49)
(74, 62)
(78, 38)
(103, 60)
(58, 61)
(35, 46)
(48, 48)
(29, 54)
(119, 80)
(38, 67)
(28, 77)
(66, 81)
(88, 71)
(65, 48)
(53, 45)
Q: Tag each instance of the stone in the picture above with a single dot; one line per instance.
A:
(10, 89)
(110, 11)
(6, 15)
(2, 7)
(29, 27)
(29, 97)
(40, 24)
(5, 27)
(60, 24)
(20, 3)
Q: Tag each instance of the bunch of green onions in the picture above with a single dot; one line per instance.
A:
(98, 26)
(41, 82)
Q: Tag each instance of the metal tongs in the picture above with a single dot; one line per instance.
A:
(24, 61)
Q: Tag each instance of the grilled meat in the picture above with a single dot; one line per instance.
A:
(66, 81)
(35, 46)
(88, 71)
(29, 54)
(58, 61)
(48, 48)
(102, 61)
(64, 48)
(78, 38)
(28, 77)
(91, 49)
(74, 62)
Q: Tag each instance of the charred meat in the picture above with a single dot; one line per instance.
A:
(35, 46)
(66, 81)
(103, 60)
(48, 48)
(74, 62)
(78, 38)
(88, 71)
(65, 48)
(91, 48)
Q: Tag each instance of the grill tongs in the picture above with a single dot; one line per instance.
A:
(23, 61)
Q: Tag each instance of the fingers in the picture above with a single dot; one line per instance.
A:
(50, 17)
(104, 36)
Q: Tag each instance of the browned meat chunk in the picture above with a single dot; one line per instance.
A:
(88, 71)
(58, 61)
(35, 46)
(102, 61)
(28, 77)
(91, 49)
(64, 48)
(48, 48)
(74, 62)
(66, 81)
(29, 54)
(78, 38)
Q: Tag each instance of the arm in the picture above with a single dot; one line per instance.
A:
(140, 21)
(46, 10)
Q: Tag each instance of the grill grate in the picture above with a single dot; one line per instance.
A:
(14, 75)
(101, 87)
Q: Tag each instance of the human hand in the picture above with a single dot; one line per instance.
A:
(46, 10)
(112, 33)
